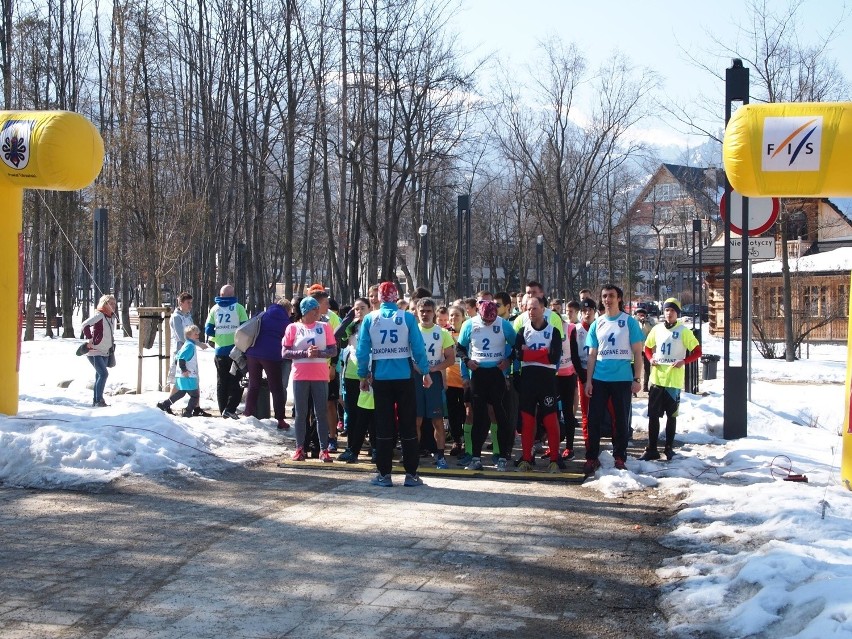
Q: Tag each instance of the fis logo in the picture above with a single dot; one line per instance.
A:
(792, 143)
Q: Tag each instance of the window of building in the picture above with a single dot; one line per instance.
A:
(842, 309)
(671, 241)
(814, 300)
(797, 226)
(776, 301)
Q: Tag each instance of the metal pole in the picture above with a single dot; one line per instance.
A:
(423, 276)
(735, 423)
(100, 230)
(539, 258)
(469, 243)
(463, 203)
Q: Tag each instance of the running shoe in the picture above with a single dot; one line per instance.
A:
(385, 481)
(619, 464)
(650, 454)
(475, 464)
(668, 451)
(200, 412)
(230, 414)
(524, 466)
(283, 425)
(186, 413)
(567, 454)
(347, 456)
(501, 465)
(465, 459)
(556, 466)
(165, 407)
(456, 450)
(299, 454)
(339, 427)
(332, 444)
(590, 467)
(441, 464)
(412, 480)
(325, 457)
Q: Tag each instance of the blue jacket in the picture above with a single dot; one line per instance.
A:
(390, 368)
(268, 343)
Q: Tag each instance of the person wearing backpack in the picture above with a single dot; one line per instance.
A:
(264, 356)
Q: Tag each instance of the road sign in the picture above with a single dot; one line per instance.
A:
(759, 248)
(762, 213)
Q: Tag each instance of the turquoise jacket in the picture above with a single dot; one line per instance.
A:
(399, 368)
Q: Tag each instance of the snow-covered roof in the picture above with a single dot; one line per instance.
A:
(839, 260)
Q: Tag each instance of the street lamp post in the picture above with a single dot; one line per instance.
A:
(423, 232)
(657, 284)
(539, 258)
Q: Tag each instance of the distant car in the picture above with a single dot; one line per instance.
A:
(650, 307)
(692, 310)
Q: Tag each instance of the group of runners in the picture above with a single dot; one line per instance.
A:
(494, 365)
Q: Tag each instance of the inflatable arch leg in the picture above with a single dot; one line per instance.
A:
(55, 150)
(10, 289)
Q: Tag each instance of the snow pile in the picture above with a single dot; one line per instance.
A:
(758, 556)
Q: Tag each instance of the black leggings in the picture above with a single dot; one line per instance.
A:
(455, 412)
(488, 386)
(359, 420)
(400, 393)
(566, 387)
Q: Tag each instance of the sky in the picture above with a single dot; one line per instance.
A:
(754, 555)
(656, 34)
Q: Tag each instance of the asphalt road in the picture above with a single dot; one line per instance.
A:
(281, 552)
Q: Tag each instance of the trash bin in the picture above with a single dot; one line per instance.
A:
(709, 368)
(261, 410)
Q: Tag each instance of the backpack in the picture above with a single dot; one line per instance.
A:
(246, 334)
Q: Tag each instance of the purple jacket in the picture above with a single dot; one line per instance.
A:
(268, 343)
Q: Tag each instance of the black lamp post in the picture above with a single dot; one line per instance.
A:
(423, 232)
(539, 258)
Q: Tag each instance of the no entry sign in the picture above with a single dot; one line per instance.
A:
(762, 213)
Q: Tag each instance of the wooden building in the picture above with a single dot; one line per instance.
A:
(820, 260)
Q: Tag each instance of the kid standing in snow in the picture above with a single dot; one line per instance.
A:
(187, 381)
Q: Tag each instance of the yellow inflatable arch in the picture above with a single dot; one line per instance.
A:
(796, 150)
(55, 150)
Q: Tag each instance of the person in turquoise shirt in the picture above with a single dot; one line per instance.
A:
(388, 340)
(615, 342)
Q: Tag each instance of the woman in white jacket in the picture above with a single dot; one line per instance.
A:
(99, 330)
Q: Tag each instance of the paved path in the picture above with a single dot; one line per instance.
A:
(278, 552)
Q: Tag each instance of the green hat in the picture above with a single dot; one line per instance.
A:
(672, 303)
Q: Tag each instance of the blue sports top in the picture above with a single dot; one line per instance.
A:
(382, 346)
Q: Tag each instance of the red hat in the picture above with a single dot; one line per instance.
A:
(316, 288)
(388, 292)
